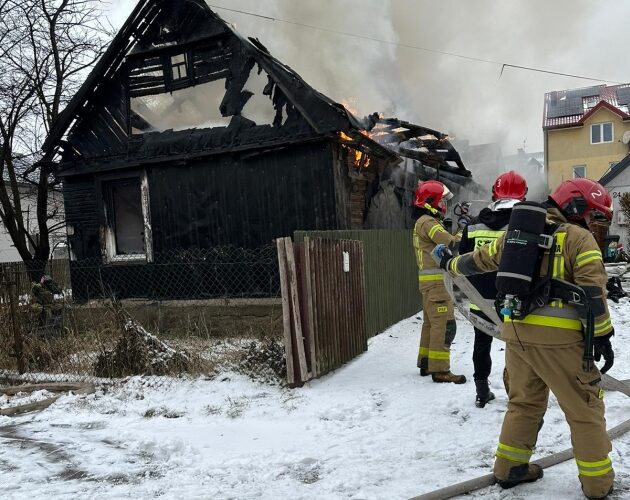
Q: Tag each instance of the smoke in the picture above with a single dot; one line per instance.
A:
(470, 100)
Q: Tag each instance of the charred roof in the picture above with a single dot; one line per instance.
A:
(161, 37)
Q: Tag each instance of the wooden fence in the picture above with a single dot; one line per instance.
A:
(15, 272)
(323, 305)
(390, 274)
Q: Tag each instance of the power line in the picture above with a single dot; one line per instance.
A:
(416, 47)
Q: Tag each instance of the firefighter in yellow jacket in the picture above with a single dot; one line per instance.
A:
(546, 349)
(438, 325)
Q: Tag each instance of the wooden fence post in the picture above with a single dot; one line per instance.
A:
(286, 309)
(295, 309)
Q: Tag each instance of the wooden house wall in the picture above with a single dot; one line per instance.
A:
(241, 201)
(203, 214)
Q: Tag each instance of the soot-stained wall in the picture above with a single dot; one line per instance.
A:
(240, 200)
(213, 222)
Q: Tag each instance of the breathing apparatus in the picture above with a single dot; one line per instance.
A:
(527, 239)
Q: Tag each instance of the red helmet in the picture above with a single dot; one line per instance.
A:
(509, 185)
(578, 198)
(432, 196)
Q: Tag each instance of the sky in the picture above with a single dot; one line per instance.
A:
(470, 100)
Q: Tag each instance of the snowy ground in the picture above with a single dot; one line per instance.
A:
(372, 430)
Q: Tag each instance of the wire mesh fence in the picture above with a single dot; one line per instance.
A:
(75, 324)
(220, 272)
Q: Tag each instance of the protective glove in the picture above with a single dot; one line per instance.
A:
(442, 255)
(603, 348)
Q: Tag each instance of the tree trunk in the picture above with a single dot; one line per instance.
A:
(35, 269)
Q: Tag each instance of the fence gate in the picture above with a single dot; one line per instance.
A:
(323, 305)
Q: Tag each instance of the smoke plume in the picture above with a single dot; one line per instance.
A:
(470, 100)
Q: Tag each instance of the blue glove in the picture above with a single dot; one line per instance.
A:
(442, 255)
(462, 222)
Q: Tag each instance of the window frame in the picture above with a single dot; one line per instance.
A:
(601, 133)
(107, 230)
(176, 67)
(579, 166)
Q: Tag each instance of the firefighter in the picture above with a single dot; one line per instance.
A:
(490, 224)
(438, 325)
(544, 351)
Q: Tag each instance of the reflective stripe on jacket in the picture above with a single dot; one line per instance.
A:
(478, 235)
(427, 233)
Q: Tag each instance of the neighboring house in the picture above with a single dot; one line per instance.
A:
(617, 181)
(189, 148)
(28, 197)
(586, 131)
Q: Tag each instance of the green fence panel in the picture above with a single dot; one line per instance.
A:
(390, 272)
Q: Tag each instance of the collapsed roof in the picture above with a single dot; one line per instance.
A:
(166, 46)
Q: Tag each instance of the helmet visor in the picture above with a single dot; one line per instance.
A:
(598, 217)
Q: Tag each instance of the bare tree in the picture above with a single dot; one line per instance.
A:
(46, 49)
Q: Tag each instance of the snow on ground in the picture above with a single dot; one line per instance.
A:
(374, 429)
(22, 398)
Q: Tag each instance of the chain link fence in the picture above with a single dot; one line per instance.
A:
(183, 313)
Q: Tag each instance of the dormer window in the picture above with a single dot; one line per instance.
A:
(601, 133)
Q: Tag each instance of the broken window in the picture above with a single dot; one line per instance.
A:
(192, 107)
(127, 233)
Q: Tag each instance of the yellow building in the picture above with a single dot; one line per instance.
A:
(586, 131)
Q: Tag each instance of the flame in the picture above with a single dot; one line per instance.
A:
(345, 137)
(361, 159)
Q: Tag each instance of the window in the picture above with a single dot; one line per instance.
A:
(579, 171)
(601, 132)
(127, 230)
(178, 66)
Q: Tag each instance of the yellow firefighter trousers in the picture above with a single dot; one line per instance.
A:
(532, 373)
(438, 317)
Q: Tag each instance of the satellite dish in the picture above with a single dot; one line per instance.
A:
(626, 137)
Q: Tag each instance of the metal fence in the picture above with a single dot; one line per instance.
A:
(70, 325)
(391, 275)
(219, 272)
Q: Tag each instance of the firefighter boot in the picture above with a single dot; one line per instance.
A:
(483, 393)
(424, 367)
(525, 473)
(599, 498)
(448, 377)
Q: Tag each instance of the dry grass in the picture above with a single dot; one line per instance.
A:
(85, 347)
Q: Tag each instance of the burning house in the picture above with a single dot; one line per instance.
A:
(190, 148)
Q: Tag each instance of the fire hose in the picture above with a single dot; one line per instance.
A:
(493, 329)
